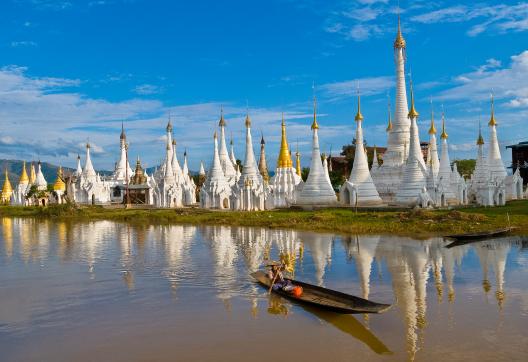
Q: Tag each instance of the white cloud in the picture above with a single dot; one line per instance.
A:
(499, 18)
(147, 89)
(510, 82)
(363, 14)
(23, 43)
(42, 118)
(362, 32)
(348, 88)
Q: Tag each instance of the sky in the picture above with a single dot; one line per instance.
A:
(72, 71)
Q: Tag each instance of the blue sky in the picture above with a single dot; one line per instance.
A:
(73, 70)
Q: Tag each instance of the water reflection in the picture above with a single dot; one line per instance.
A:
(217, 260)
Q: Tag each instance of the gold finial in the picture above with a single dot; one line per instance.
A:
(59, 184)
(444, 134)
(24, 179)
(123, 135)
(7, 189)
(389, 125)
(298, 163)
(432, 129)
(492, 121)
(314, 124)
(221, 123)
(399, 43)
(480, 139)
(359, 116)
(215, 136)
(412, 112)
(284, 159)
(248, 120)
(169, 124)
(32, 174)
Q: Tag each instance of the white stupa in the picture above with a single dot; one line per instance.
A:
(249, 193)
(122, 169)
(316, 191)
(285, 180)
(495, 164)
(432, 158)
(359, 189)
(216, 191)
(225, 160)
(445, 192)
(388, 177)
(414, 171)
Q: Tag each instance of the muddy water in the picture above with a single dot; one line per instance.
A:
(109, 291)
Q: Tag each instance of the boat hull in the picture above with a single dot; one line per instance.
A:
(325, 298)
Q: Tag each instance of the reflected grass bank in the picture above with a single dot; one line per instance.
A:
(339, 220)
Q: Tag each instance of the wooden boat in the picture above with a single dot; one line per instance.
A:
(477, 236)
(325, 298)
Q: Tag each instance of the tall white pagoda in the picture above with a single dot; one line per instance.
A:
(389, 175)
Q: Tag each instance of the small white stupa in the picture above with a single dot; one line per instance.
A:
(359, 189)
(495, 165)
(286, 179)
(445, 195)
(316, 191)
(225, 160)
(249, 193)
(414, 171)
(215, 191)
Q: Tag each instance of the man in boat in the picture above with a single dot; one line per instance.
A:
(276, 277)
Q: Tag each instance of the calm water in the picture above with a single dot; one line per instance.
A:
(109, 291)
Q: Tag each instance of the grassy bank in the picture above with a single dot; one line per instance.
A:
(339, 220)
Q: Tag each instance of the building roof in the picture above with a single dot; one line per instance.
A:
(519, 145)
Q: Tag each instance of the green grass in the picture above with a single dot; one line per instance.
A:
(338, 220)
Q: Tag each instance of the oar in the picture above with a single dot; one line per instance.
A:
(273, 282)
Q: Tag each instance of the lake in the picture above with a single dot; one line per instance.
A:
(112, 291)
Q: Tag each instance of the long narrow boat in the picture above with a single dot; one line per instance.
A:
(481, 235)
(325, 298)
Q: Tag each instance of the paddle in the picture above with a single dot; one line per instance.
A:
(275, 277)
(273, 281)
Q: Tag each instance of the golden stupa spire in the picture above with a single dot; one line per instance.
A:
(492, 121)
(221, 123)
(444, 134)
(432, 129)
(412, 112)
(284, 153)
(314, 124)
(480, 139)
(359, 116)
(7, 189)
(399, 42)
(24, 179)
(59, 184)
(32, 174)
(169, 123)
(298, 161)
(248, 120)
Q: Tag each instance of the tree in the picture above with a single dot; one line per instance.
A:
(304, 173)
(466, 167)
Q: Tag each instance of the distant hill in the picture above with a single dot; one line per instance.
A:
(14, 167)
